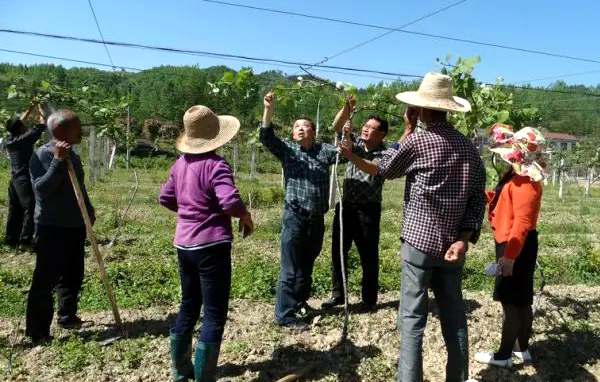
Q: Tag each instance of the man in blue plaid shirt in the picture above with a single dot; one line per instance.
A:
(306, 171)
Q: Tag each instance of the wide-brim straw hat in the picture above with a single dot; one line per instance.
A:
(204, 131)
(435, 92)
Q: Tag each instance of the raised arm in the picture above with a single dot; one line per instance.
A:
(344, 114)
(266, 134)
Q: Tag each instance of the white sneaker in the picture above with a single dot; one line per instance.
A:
(471, 380)
(488, 358)
(524, 356)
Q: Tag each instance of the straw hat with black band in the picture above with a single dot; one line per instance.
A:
(204, 131)
(435, 92)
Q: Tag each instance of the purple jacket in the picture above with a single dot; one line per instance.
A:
(201, 190)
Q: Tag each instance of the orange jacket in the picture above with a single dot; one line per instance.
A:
(516, 213)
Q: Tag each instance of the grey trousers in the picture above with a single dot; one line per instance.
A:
(419, 273)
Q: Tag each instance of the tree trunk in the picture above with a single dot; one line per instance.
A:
(553, 177)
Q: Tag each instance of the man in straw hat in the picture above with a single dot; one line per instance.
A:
(444, 203)
(306, 169)
(201, 190)
(59, 229)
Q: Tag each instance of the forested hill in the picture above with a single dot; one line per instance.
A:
(165, 92)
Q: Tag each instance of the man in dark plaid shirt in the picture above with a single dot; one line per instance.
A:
(361, 216)
(444, 204)
(306, 171)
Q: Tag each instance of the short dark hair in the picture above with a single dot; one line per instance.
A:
(383, 123)
(310, 121)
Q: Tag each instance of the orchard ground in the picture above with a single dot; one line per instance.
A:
(143, 271)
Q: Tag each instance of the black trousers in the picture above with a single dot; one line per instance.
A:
(361, 226)
(21, 203)
(205, 276)
(58, 267)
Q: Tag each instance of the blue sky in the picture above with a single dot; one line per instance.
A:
(569, 28)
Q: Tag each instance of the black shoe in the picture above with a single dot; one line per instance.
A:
(70, 322)
(42, 340)
(305, 310)
(366, 307)
(334, 301)
(297, 326)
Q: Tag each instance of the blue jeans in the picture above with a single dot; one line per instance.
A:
(420, 272)
(205, 280)
(301, 242)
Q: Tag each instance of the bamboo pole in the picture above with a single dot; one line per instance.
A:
(92, 238)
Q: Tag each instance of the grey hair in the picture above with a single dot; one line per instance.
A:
(59, 118)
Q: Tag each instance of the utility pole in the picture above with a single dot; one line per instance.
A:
(128, 127)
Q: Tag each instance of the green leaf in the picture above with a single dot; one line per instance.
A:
(12, 91)
(502, 116)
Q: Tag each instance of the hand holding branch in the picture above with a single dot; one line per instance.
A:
(344, 114)
(269, 105)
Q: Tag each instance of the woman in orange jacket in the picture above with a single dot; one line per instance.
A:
(514, 208)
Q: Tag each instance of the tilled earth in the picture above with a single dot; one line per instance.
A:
(565, 346)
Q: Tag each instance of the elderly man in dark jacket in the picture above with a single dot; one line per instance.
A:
(60, 230)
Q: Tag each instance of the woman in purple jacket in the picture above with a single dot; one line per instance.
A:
(201, 190)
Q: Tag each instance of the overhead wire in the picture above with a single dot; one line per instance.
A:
(66, 59)
(101, 35)
(379, 36)
(273, 62)
(200, 52)
(422, 34)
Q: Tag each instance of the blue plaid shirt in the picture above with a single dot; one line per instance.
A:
(306, 172)
(360, 187)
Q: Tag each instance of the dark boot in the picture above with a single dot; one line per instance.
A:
(181, 357)
(205, 361)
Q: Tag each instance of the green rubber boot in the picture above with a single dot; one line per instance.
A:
(205, 361)
(181, 357)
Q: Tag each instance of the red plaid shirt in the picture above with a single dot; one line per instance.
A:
(445, 187)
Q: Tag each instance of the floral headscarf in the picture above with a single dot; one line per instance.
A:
(522, 149)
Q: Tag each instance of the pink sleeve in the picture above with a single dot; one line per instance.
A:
(167, 197)
(226, 192)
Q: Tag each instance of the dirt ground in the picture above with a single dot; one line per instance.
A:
(565, 346)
